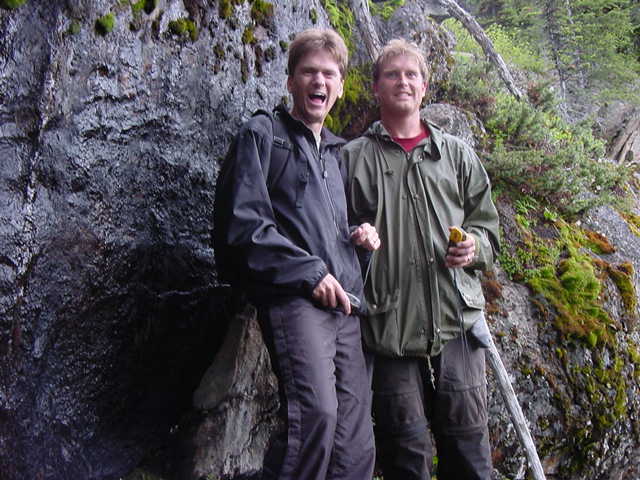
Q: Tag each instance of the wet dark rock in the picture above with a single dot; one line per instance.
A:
(110, 312)
(111, 316)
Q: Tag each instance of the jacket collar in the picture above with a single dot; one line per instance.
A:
(327, 138)
(433, 143)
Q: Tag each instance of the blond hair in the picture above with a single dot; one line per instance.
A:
(400, 46)
(314, 39)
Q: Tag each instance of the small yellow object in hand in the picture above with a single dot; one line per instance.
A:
(457, 235)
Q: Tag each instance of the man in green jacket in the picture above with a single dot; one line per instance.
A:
(426, 324)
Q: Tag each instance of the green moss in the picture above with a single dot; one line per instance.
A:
(342, 20)
(74, 28)
(219, 52)
(597, 242)
(226, 7)
(386, 8)
(182, 27)
(633, 222)
(270, 53)
(284, 46)
(573, 289)
(356, 101)
(262, 12)
(148, 6)
(313, 16)
(622, 276)
(248, 36)
(12, 4)
(105, 24)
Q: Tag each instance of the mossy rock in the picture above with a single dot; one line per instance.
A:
(148, 6)
(106, 24)
(385, 9)
(74, 28)
(313, 16)
(182, 27)
(262, 13)
(12, 4)
(226, 8)
(248, 37)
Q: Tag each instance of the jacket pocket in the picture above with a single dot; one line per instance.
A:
(470, 289)
(386, 304)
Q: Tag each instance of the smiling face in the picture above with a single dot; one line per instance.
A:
(315, 85)
(400, 86)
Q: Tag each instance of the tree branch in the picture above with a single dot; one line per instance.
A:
(478, 34)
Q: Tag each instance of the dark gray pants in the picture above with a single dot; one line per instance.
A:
(324, 394)
(405, 405)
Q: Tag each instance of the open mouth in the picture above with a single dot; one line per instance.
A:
(318, 98)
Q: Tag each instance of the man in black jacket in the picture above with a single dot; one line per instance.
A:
(282, 236)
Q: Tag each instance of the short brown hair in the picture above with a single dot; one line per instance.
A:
(314, 39)
(400, 46)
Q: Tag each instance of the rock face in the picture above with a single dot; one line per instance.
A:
(118, 348)
(109, 309)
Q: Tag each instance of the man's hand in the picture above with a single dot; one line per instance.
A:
(329, 293)
(461, 254)
(366, 236)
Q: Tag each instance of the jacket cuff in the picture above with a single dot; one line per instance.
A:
(315, 279)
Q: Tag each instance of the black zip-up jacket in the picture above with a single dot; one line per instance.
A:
(280, 211)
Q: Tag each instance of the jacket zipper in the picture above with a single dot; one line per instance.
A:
(332, 207)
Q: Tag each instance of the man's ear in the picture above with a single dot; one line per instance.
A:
(341, 89)
(289, 81)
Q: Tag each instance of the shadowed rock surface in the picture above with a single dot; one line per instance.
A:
(111, 317)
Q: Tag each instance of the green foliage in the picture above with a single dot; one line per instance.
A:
(225, 8)
(248, 37)
(509, 44)
(342, 20)
(593, 43)
(471, 86)
(147, 5)
(74, 28)
(12, 4)
(386, 8)
(105, 24)
(559, 164)
(356, 98)
(184, 26)
(569, 280)
(515, 123)
(622, 275)
(262, 12)
(313, 15)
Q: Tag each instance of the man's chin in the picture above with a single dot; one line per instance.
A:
(401, 108)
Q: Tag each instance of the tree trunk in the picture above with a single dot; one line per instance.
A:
(478, 34)
(368, 30)
(622, 148)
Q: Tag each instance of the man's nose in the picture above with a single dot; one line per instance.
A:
(318, 79)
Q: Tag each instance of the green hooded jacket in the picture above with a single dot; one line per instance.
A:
(415, 303)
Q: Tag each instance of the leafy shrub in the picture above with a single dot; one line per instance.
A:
(513, 49)
(515, 122)
(568, 178)
(471, 86)
(386, 8)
